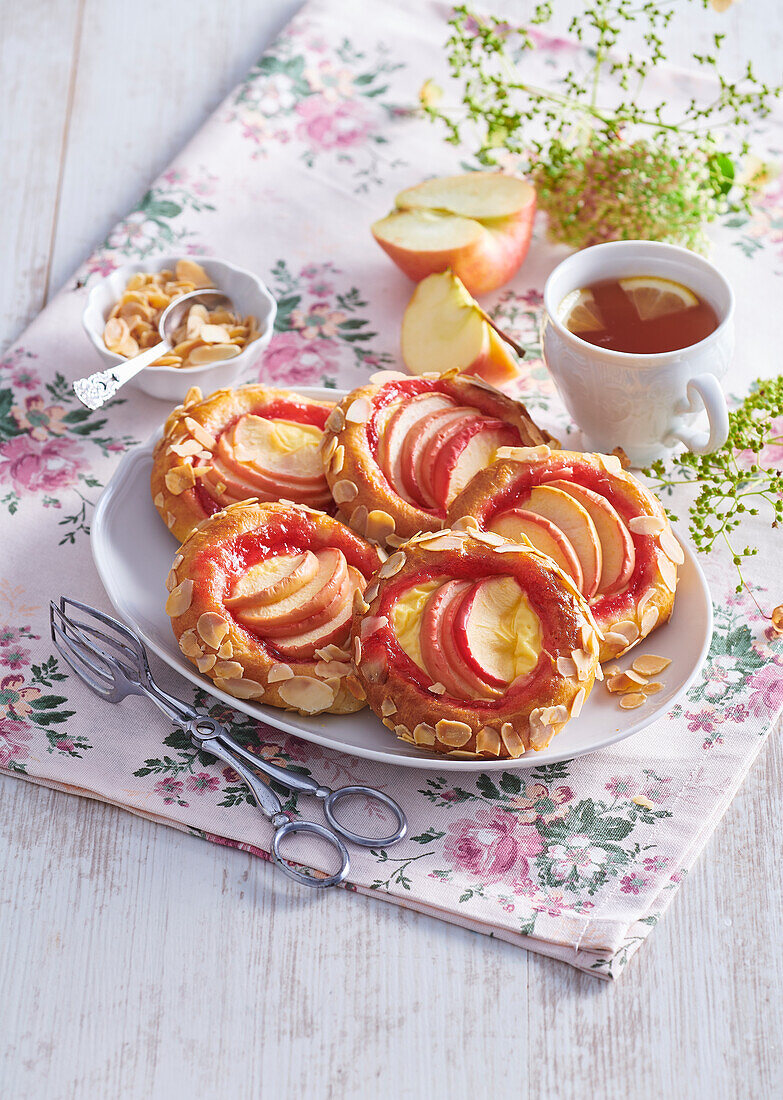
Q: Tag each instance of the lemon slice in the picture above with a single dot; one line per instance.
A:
(653, 297)
(579, 312)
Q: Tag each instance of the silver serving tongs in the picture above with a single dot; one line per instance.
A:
(113, 663)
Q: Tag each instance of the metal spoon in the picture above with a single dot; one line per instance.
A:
(98, 388)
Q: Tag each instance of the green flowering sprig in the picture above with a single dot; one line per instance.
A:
(604, 173)
(738, 480)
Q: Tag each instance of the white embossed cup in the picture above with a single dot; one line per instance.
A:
(646, 404)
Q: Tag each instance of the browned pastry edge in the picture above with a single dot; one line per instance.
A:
(374, 508)
(439, 723)
(634, 618)
(202, 419)
(233, 657)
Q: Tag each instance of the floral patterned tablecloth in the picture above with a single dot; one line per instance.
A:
(577, 859)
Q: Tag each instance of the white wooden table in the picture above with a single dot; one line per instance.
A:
(136, 962)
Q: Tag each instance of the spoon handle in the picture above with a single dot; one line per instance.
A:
(96, 389)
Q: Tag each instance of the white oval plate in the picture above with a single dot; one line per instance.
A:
(133, 552)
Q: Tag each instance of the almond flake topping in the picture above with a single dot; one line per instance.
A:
(647, 525)
(328, 447)
(335, 421)
(328, 669)
(205, 663)
(212, 627)
(578, 703)
(200, 433)
(360, 605)
(668, 571)
(229, 670)
(159, 501)
(424, 734)
(671, 546)
(180, 478)
(653, 688)
(489, 538)
(179, 599)
(344, 491)
(357, 650)
(371, 625)
(488, 741)
(446, 542)
(382, 376)
(240, 689)
(185, 447)
(359, 411)
(404, 734)
(453, 734)
(171, 580)
(189, 644)
(583, 662)
(649, 619)
(628, 630)
(388, 706)
(226, 650)
(193, 396)
(437, 688)
(515, 746)
(358, 520)
(611, 463)
(338, 459)
(307, 694)
(279, 672)
(380, 525)
(392, 565)
(465, 523)
(631, 701)
(566, 667)
(650, 665)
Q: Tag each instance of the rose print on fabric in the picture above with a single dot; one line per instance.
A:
(158, 223)
(316, 327)
(493, 846)
(328, 104)
(45, 439)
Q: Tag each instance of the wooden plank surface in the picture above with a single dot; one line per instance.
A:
(137, 962)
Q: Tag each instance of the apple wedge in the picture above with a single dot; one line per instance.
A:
(444, 328)
(442, 661)
(478, 224)
(467, 451)
(577, 526)
(273, 579)
(308, 601)
(544, 535)
(618, 556)
(391, 442)
(487, 634)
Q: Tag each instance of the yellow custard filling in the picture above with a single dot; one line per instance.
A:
(254, 436)
(406, 618)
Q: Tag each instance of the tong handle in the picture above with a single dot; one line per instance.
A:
(294, 781)
(266, 799)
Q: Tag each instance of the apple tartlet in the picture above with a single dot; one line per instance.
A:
(469, 644)
(399, 450)
(601, 526)
(261, 600)
(236, 444)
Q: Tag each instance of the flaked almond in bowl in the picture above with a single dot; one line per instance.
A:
(214, 347)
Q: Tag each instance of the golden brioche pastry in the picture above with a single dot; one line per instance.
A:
(250, 442)
(397, 451)
(261, 600)
(596, 521)
(474, 645)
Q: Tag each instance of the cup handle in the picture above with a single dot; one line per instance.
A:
(704, 390)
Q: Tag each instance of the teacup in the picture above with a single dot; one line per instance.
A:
(646, 404)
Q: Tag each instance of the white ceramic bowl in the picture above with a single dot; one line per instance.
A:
(248, 294)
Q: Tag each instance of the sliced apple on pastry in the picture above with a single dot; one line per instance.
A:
(444, 328)
(478, 224)
(496, 631)
(442, 659)
(577, 526)
(545, 535)
(273, 579)
(390, 444)
(307, 602)
(415, 445)
(466, 451)
(618, 556)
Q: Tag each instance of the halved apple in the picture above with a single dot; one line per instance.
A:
(478, 224)
(544, 535)
(618, 556)
(575, 523)
(444, 328)
(273, 579)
